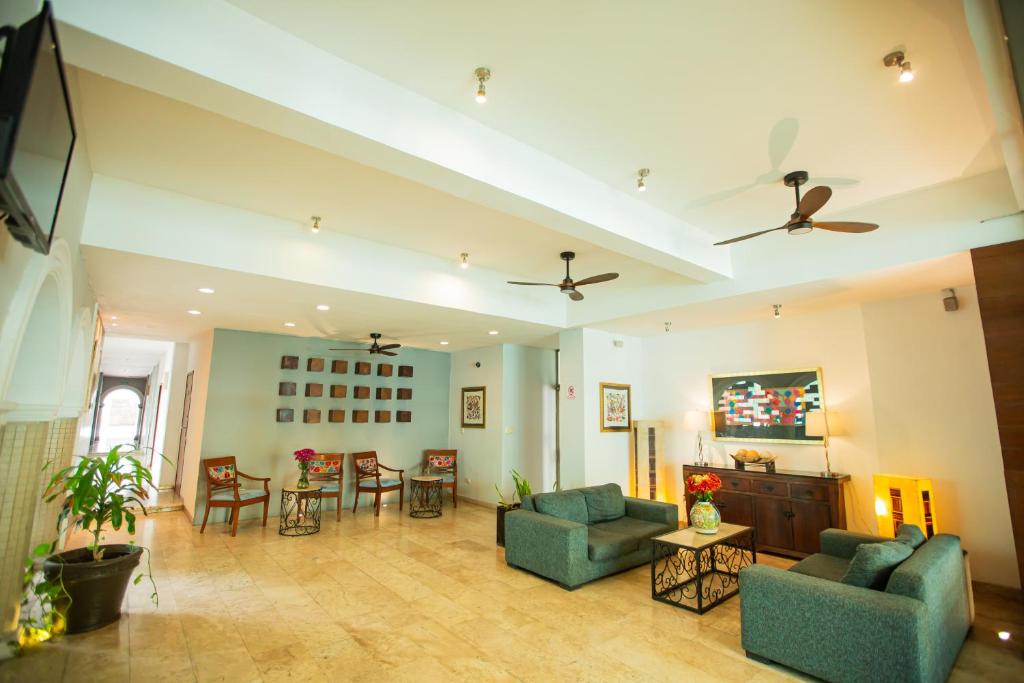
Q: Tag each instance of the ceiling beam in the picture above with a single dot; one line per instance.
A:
(217, 56)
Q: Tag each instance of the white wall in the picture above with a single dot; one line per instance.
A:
(174, 393)
(908, 385)
(480, 466)
(528, 416)
(200, 352)
(935, 418)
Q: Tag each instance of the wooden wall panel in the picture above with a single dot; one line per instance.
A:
(999, 276)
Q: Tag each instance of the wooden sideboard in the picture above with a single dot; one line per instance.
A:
(788, 509)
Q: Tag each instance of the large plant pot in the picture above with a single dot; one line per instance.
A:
(501, 522)
(96, 589)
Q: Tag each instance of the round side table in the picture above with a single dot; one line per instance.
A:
(300, 511)
(426, 496)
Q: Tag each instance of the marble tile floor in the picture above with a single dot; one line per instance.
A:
(396, 598)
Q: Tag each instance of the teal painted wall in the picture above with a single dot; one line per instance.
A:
(242, 400)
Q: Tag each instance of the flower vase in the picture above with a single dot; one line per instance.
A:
(303, 476)
(704, 517)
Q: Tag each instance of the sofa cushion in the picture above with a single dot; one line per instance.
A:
(604, 503)
(911, 535)
(873, 563)
(822, 566)
(527, 504)
(630, 527)
(605, 545)
(568, 505)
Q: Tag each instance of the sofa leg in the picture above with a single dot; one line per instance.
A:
(758, 658)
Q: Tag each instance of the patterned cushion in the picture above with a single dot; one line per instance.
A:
(368, 466)
(324, 466)
(873, 563)
(243, 494)
(911, 535)
(384, 483)
(221, 472)
(441, 460)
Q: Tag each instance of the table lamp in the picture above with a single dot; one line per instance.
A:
(816, 424)
(697, 421)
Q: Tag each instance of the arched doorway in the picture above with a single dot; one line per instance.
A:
(120, 418)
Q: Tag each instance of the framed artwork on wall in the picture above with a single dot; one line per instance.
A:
(616, 407)
(474, 407)
(769, 406)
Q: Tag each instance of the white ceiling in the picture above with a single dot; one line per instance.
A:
(151, 297)
(718, 99)
(129, 356)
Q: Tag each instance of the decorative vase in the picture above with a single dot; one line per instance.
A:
(704, 517)
(303, 476)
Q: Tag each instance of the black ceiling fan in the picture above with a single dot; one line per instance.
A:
(800, 222)
(567, 286)
(376, 347)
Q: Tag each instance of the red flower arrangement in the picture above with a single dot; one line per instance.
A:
(304, 455)
(703, 486)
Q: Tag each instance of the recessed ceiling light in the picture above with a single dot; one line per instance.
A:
(113, 317)
(205, 290)
(323, 307)
(777, 310)
(289, 324)
(1004, 635)
(113, 324)
(493, 332)
(193, 311)
(444, 343)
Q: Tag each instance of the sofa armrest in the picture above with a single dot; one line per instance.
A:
(552, 547)
(832, 630)
(842, 543)
(653, 511)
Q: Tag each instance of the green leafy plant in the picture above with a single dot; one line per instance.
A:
(522, 489)
(39, 620)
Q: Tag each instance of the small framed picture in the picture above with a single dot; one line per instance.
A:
(615, 407)
(474, 407)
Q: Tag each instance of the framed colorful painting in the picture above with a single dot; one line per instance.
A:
(769, 406)
(474, 407)
(615, 407)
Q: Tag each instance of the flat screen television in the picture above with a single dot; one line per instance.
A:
(37, 130)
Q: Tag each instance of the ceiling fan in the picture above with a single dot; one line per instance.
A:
(567, 286)
(800, 222)
(376, 347)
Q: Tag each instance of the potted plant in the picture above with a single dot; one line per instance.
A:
(704, 516)
(522, 489)
(96, 493)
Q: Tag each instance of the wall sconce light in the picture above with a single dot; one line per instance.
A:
(641, 186)
(898, 59)
(316, 224)
(483, 74)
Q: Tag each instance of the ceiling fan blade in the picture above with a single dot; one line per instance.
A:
(594, 279)
(388, 346)
(348, 349)
(846, 227)
(747, 237)
(388, 353)
(576, 296)
(538, 284)
(814, 200)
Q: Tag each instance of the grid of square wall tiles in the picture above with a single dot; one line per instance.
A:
(60, 442)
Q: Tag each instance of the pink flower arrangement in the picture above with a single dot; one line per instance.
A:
(304, 455)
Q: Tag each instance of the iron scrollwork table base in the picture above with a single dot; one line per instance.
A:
(300, 511)
(426, 497)
(698, 572)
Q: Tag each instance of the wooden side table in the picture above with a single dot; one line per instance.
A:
(700, 571)
(300, 511)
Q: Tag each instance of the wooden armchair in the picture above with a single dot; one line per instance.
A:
(223, 490)
(326, 470)
(369, 480)
(445, 464)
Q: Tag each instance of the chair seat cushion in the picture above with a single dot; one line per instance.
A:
(331, 487)
(243, 494)
(447, 478)
(384, 483)
(873, 563)
(605, 545)
(822, 566)
(567, 505)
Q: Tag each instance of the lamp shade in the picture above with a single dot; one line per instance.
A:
(695, 420)
(815, 423)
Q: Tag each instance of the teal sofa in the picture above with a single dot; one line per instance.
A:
(579, 535)
(909, 629)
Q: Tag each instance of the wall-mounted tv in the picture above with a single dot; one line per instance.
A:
(37, 130)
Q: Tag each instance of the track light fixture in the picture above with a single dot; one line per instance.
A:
(483, 74)
(316, 224)
(777, 310)
(641, 174)
(898, 60)
(464, 260)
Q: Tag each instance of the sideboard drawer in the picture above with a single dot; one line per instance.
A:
(810, 492)
(735, 484)
(772, 488)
